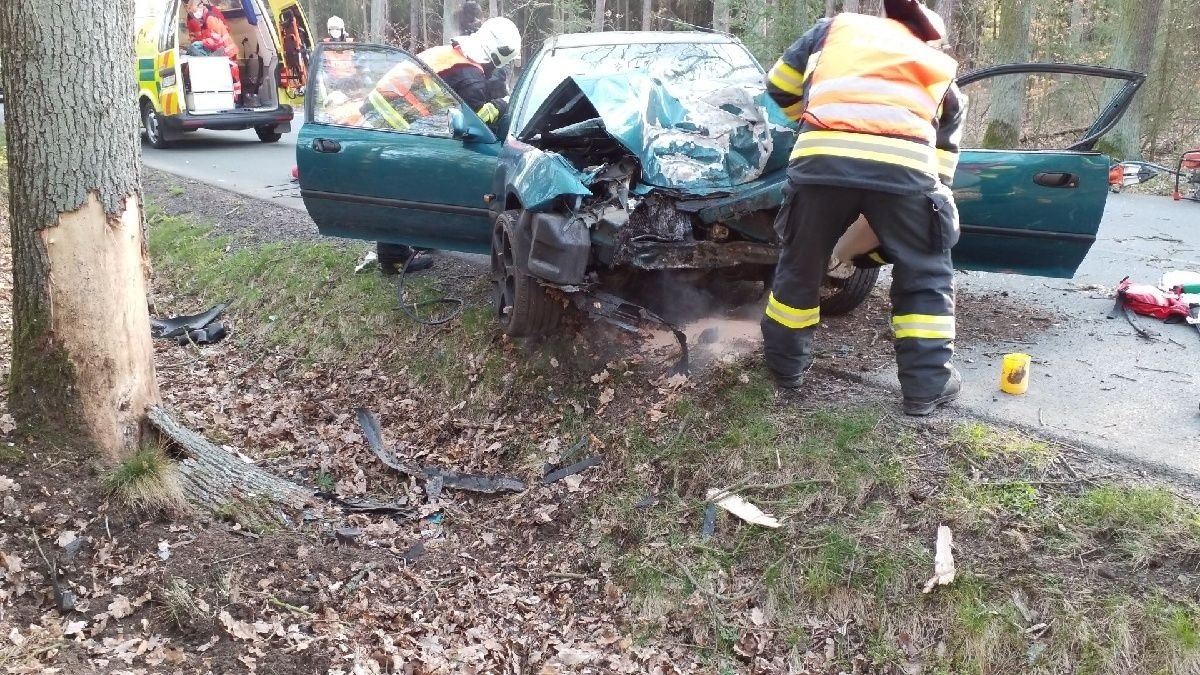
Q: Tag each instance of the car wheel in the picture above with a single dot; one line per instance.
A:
(152, 123)
(268, 134)
(523, 306)
(842, 295)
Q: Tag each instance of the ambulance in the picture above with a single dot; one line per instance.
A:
(179, 93)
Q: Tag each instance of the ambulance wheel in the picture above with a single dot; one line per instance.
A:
(152, 124)
(842, 296)
(268, 134)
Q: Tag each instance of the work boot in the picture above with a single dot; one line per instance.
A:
(794, 382)
(920, 407)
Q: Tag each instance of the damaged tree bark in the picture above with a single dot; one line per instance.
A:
(217, 481)
(82, 356)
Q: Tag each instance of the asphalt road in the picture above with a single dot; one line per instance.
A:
(233, 160)
(1093, 381)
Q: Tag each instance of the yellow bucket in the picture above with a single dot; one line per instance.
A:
(1014, 373)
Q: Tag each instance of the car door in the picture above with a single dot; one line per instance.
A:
(1030, 183)
(416, 173)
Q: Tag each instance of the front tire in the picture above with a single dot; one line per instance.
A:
(523, 307)
(268, 134)
(152, 124)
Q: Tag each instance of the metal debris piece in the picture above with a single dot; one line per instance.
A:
(449, 479)
(710, 521)
(577, 467)
(415, 551)
(368, 505)
(347, 535)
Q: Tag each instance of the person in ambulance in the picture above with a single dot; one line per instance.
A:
(209, 34)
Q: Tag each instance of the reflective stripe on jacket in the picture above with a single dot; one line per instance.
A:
(393, 98)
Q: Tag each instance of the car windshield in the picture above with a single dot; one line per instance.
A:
(672, 61)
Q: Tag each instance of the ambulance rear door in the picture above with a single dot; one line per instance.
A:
(296, 47)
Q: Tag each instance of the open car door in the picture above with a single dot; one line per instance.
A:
(389, 153)
(1030, 185)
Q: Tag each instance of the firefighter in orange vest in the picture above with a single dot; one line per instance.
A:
(880, 122)
(339, 62)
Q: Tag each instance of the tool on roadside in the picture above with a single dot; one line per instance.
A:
(1188, 170)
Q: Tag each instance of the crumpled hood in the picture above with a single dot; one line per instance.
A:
(697, 138)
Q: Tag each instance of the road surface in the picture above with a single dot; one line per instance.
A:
(1093, 380)
(234, 160)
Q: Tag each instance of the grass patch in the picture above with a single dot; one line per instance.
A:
(146, 481)
(178, 600)
(11, 455)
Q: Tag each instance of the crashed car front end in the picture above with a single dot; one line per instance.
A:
(631, 172)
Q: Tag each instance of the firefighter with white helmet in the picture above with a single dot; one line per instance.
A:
(474, 66)
(336, 30)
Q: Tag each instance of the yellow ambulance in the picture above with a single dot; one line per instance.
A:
(178, 92)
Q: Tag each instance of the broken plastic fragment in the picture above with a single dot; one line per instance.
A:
(943, 560)
(741, 508)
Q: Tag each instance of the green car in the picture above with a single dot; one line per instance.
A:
(625, 154)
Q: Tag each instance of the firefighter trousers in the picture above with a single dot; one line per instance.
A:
(916, 233)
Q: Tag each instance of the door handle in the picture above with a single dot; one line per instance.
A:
(1056, 179)
(326, 145)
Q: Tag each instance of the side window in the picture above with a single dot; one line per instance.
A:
(1038, 110)
(375, 87)
(168, 29)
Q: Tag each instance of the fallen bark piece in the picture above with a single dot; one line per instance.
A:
(577, 467)
(215, 479)
(943, 560)
(449, 479)
(741, 508)
(368, 505)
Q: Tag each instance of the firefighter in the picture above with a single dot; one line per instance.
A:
(209, 33)
(880, 124)
(340, 63)
(335, 30)
(474, 66)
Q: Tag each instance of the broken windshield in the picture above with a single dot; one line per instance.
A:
(726, 63)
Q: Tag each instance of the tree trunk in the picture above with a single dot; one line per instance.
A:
(414, 22)
(1076, 30)
(1134, 50)
(450, 10)
(379, 20)
(850, 6)
(721, 16)
(947, 9)
(830, 7)
(647, 14)
(82, 358)
(493, 8)
(598, 16)
(1007, 97)
(366, 21)
(424, 25)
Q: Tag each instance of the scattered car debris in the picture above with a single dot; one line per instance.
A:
(347, 535)
(450, 479)
(368, 261)
(415, 551)
(741, 508)
(709, 526)
(943, 560)
(709, 336)
(646, 502)
(577, 467)
(200, 329)
(627, 316)
(368, 505)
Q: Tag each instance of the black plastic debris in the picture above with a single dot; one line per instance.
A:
(449, 479)
(577, 467)
(627, 316)
(347, 535)
(646, 502)
(710, 521)
(200, 329)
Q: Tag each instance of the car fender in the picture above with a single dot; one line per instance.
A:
(539, 179)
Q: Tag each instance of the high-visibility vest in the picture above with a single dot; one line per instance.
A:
(875, 77)
(444, 57)
(393, 98)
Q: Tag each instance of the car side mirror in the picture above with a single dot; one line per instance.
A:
(466, 126)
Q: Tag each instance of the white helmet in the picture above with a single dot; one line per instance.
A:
(335, 23)
(497, 42)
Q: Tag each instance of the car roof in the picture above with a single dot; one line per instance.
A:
(637, 37)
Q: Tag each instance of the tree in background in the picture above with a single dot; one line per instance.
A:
(1006, 105)
(82, 358)
(1134, 50)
